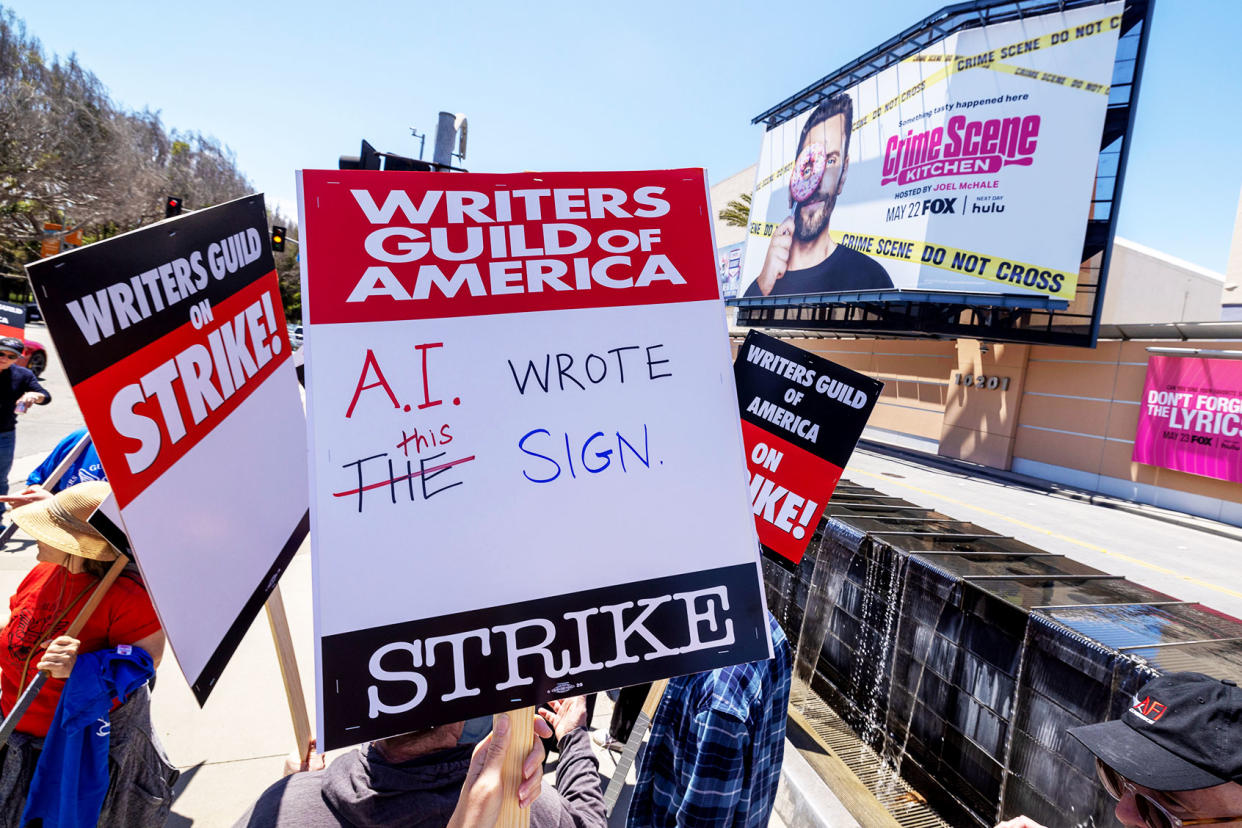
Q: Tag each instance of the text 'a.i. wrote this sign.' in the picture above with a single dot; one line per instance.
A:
(802, 415)
(527, 474)
(173, 338)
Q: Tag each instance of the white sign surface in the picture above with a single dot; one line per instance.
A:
(527, 471)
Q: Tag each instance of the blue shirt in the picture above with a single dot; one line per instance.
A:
(86, 467)
(716, 746)
(71, 778)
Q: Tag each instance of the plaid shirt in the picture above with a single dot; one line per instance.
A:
(714, 756)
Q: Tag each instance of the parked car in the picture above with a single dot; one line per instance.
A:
(295, 336)
(34, 357)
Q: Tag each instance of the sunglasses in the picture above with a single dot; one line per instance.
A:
(9, 355)
(1153, 813)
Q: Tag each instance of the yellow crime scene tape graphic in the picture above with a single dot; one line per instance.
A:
(988, 60)
(783, 171)
(992, 59)
(1056, 284)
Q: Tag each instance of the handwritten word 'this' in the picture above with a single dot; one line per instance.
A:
(594, 368)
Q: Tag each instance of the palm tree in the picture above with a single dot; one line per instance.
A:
(737, 212)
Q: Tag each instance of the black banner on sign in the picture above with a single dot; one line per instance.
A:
(801, 418)
(815, 404)
(407, 676)
(110, 298)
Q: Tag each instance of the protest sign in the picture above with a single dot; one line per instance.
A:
(802, 415)
(1190, 417)
(12, 320)
(527, 479)
(173, 338)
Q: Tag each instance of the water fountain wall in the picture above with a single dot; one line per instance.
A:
(962, 656)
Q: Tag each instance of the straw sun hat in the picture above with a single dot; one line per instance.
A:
(60, 521)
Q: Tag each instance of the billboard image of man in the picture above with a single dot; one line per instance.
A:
(802, 257)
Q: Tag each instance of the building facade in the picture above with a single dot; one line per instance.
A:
(1065, 415)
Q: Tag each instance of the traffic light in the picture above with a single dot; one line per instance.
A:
(372, 159)
(368, 159)
(278, 239)
(399, 163)
(172, 206)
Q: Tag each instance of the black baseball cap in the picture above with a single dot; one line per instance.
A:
(12, 343)
(1183, 732)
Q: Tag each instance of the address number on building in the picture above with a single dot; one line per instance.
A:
(990, 383)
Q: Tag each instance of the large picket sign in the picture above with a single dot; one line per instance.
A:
(527, 473)
(174, 340)
(802, 415)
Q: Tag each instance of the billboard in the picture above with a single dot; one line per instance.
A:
(527, 478)
(1190, 417)
(968, 166)
(729, 265)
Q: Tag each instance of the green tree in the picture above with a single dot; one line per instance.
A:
(69, 155)
(737, 212)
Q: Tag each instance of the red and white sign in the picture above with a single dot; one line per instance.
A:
(802, 415)
(174, 340)
(789, 487)
(527, 473)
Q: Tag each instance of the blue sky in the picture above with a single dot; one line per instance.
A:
(600, 86)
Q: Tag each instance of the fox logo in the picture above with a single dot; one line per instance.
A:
(1149, 710)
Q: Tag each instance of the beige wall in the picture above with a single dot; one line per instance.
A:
(1069, 414)
(1145, 285)
(915, 374)
(1231, 299)
(722, 192)
(979, 422)
(1079, 413)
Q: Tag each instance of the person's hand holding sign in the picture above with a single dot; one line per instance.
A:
(61, 655)
(566, 715)
(28, 495)
(480, 800)
(777, 260)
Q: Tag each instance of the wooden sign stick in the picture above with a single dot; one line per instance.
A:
(288, 662)
(52, 479)
(617, 783)
(32, 690)
(521, 737)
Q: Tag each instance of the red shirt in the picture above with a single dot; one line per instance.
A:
(125, 616)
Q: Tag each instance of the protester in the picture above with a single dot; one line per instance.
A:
(86, 467)
(19, 389)
(716, 746)
(1174, 757)
(73, 558)
(427, 778)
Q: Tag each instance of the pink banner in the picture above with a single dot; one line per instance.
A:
(1191, 417)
